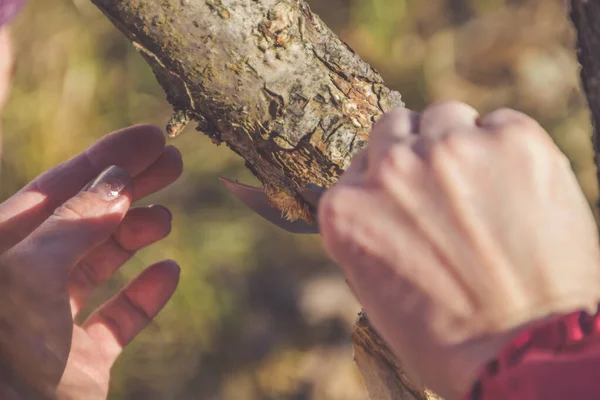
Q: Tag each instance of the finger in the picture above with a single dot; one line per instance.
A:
(114, 325)
(523, 129)
(164, 171)
(505, 117)
(79, 225)
(397, 125)
(140, 228)
(357, 167)
(134, 149)
(447, 117)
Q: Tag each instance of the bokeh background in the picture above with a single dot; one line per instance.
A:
(262, 314)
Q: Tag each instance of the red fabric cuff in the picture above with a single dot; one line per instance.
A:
(558, 360)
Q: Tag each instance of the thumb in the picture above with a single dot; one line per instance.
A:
(77, 226)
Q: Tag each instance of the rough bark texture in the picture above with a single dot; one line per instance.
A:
(266, 77)
(270, 80)
(382, 373)
(586, 15)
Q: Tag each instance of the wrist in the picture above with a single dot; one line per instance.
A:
(470, 358)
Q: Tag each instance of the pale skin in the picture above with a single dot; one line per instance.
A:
(470, 230)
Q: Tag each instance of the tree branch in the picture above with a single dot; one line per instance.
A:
(271, 81)
(266, 77)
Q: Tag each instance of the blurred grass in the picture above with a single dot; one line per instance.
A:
(261, 314)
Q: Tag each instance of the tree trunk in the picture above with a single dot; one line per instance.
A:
(272, 82)
(585, 15)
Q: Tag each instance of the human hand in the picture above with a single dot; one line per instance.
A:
(456, 233)
(58, 243)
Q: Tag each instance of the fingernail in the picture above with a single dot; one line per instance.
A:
(164, 210)
(110, 184)
(173, 266)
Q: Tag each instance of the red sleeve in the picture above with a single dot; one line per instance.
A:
(557, 361)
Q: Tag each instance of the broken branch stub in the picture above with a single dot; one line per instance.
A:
(270, 80)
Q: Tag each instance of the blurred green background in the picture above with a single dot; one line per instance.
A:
(262, 314)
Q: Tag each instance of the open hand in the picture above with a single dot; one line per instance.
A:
(61, 237)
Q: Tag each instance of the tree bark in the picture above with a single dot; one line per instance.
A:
(382, 372)
(267, 78)
(272, 82)
(585, 15)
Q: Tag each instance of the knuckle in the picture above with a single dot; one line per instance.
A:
(503, 113)
(528, 139)
(508, 117)
(531, 131)
(447, 105)
(532, 146)
(400, 166)
(396, 161)
(399, 122)
(511, 122)
(393, 116)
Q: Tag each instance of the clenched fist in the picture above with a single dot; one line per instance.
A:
(457, 232)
